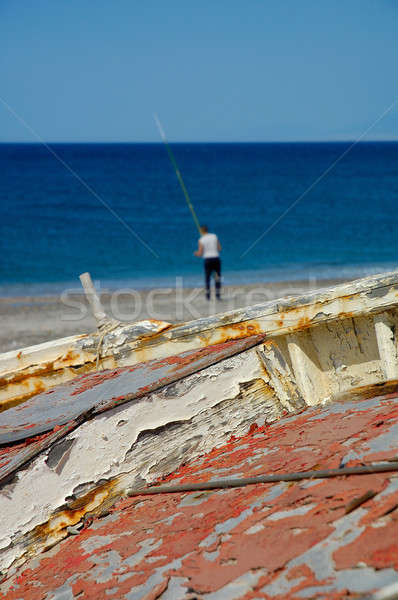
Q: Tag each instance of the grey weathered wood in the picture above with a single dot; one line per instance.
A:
(93, 299)
(281, 377)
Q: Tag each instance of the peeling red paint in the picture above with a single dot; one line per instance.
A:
(91, 380)
(265, 533)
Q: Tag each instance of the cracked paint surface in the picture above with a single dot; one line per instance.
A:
(101, 391)
(282, 540)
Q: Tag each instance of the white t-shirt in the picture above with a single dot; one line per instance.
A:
(209, 242)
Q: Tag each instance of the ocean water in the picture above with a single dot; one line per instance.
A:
(54, 223)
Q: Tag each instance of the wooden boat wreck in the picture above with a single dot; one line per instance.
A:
(274, 427)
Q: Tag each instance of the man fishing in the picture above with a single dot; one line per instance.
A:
(209, 249)
(208, 246)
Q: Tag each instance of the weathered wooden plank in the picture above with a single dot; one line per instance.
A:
(34, 369)
(97, 392)
(387, 344)
(93, 299)
(308, 375)
(280, 375)
(132, 444)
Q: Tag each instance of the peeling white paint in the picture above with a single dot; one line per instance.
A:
(102, 450)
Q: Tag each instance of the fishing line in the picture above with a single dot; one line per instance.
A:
(179, 176)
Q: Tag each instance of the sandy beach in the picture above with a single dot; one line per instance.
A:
(28, 320)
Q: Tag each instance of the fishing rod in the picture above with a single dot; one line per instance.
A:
(179, 176)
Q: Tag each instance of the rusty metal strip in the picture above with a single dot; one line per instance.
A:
(234, 482)
(97, 392)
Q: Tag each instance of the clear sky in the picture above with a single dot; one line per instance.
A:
(214, 70)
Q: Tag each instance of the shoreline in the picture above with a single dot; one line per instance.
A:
(29, 320)
(273, 275)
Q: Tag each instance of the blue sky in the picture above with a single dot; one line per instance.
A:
(214, 70)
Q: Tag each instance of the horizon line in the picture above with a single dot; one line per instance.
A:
(311, 141)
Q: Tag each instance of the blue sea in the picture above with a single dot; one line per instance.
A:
(71, 208)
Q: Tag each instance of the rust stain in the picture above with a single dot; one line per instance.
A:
(38, 387)
(142, 355)
(346, 315)
(144, 341)
(21, 377)
(47, 368)
(303, 323)
(63, 368)
(40, 379)
(219, 335)
(69, 357)
(227, 333)
(371, 390)
(91, 504)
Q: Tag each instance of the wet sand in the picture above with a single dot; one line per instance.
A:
(31, 320)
